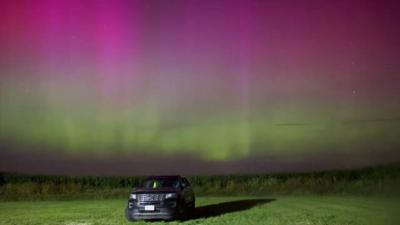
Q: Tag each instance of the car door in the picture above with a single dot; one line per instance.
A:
(187, 191)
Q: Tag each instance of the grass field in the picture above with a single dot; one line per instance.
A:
(307, 210)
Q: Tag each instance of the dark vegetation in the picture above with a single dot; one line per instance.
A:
(380, 180)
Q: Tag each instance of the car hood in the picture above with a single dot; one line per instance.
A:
(158, 190)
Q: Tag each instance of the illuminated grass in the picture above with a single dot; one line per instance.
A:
(278, 210)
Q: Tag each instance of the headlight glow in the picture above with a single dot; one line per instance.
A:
(170, 195)
(133, 196)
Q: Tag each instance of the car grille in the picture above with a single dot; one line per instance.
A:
(150, 197)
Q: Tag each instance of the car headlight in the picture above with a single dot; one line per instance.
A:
(133, 196)
(170, 195)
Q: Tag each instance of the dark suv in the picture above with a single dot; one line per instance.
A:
(161, 197)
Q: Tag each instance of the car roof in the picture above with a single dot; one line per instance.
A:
(172, 177)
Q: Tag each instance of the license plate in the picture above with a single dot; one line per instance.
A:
(149, 208)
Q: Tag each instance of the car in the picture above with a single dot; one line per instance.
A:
(161, 197)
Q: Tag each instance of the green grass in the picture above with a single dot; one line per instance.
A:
(306, 210)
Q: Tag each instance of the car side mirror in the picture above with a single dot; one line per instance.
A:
(183, 186)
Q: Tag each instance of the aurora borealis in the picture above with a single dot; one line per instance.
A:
(213, 81)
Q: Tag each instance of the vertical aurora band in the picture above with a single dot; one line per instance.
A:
(217, 79)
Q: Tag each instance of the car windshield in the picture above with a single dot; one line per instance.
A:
(155, 183)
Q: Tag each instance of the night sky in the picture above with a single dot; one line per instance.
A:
(198, 87)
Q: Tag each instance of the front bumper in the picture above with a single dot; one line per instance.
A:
(162, 210)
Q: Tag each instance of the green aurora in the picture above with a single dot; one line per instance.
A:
(59, 122)
(210, 79)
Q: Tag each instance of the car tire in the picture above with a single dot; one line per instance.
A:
(129, 216)
(191, 210)
(181, 213)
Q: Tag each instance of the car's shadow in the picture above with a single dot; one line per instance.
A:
(227, 207)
